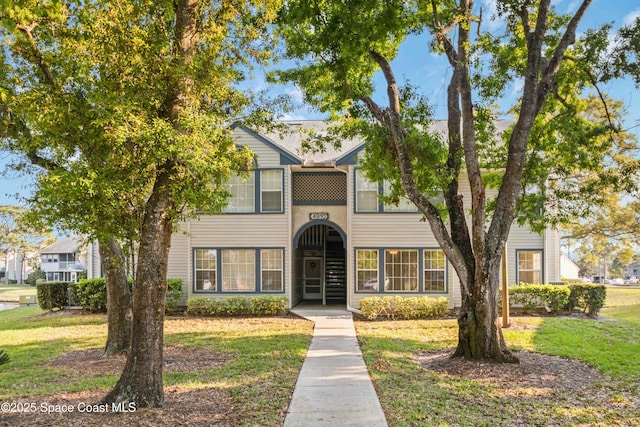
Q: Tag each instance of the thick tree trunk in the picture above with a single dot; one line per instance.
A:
(141, 379)
(118, 297)
(479, 331)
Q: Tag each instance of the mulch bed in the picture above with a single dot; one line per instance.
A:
(183, 407)
(536, 374)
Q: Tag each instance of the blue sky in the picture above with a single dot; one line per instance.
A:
(416, 64)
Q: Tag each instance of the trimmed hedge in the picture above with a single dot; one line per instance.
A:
(237, 306)
(589, 297)
(551, 297)
(52, 295)
(92, 294)
(397, 307)
(174, 294)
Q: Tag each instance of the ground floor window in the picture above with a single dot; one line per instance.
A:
(238, 270)
(529, 266)
(434, 270)
(401, 270)
(367, 269)
(205, 269)
(271, 267)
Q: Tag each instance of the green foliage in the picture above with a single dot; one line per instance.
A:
(52, 295)
(237, 306)
(398, 307)
(174, 293)
(590, 297)
(4, 357)
(92, 294)
(34, 276)
(532, 296)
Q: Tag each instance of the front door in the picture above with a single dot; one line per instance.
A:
(313, 278)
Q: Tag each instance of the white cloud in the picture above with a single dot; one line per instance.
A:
(490, 19)
(291, 117)
(295, 93)
(630, 17)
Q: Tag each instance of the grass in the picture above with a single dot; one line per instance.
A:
(11, 293)
(266, 356)
(411, 395)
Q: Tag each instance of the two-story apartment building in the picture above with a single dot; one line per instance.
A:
(310, 227)
(62, 260)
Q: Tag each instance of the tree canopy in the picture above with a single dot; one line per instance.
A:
(557, 155)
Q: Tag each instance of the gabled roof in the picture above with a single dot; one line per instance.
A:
(68, 245)
(290, 143)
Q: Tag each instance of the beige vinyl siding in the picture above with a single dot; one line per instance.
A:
(267, 156)
(178, 266)
(552, 256)
(397, 231)
(522, 239)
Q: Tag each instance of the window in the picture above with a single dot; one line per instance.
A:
(261, 191)
(238, 270)
(401, 270)
(50, 258)
(404, 204)
(434, 270)
(529, 266)
(242, 191)
(271, 270)
(367, 269)
(271, 190)
(205, 271)
(366, 194)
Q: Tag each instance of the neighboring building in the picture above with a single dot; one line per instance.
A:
(62, 260)
(568, 268)
(310, 227)
(634, 270)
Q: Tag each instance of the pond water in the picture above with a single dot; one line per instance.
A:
(8, 305)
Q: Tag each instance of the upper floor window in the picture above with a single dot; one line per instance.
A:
(260, 191)
(367, 200)
(530, 266)
(50, 258)
(366, 194)
(271, 190)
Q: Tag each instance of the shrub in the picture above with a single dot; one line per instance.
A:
(35, 275)
(237, 306)
(200, 306)
(589, 297)
(92, 294)
(268, 306)
(174, 293)
(530, 296)
(397, 307)
(52, 295)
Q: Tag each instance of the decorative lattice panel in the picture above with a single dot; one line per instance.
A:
(317, 188)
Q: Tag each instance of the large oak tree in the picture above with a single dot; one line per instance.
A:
(337, 48)
(130, 105)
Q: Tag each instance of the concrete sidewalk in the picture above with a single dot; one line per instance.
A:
(333, 388)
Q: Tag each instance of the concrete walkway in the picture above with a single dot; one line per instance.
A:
(334, 387)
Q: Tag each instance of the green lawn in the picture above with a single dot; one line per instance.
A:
(414, 396)
(253, 370)
(11, 293)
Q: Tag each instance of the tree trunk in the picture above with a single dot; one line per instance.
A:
(118, 297)
(479, 331)
(141, 379)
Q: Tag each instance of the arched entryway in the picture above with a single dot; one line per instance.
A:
(320, 265)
